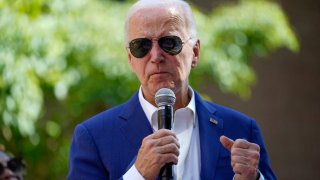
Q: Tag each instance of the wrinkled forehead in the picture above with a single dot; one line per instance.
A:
(156, 19)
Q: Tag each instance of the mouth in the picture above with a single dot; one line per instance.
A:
(158, 73)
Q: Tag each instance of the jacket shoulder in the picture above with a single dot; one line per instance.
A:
(113, 117)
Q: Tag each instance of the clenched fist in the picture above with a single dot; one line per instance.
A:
(157, 149)
(244, 157)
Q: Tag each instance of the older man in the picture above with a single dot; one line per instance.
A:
(11, 168)
(124, 142)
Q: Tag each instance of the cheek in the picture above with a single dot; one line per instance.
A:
(139, 69)
(185, 71)
(184, 66)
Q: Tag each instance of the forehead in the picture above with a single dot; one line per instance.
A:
(157, 21)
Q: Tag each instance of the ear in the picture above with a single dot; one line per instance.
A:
(196, 54)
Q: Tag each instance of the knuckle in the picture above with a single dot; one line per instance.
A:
(255, 155)
(174, 149)
(236, 165)
(237, 142)
(174, 158)
(160, 132)
(177, 152)
(148, 143)
(171, 147)
(255, 146)
(242, 141)
(233, 164)
(144, 140)
(171, 138)
(233, 151)
(233, 158)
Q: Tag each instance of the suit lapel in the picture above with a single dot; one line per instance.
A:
(210, 129)
(136, 125)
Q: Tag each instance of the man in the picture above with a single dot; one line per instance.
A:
(10, 168)
(123, 142)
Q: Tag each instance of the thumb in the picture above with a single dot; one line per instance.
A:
(226, 142)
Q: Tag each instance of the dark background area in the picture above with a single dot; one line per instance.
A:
(286, 98)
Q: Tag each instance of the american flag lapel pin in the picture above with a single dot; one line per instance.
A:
(213, 121)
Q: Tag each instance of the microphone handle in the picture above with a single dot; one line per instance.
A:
(165, 120)
(165, 117)
(166, 172)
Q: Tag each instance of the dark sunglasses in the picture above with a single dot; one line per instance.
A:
(14, 164)
(140, 47)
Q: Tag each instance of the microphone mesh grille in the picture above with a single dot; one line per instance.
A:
(165, 96)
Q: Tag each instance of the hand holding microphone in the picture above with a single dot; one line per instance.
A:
(160, 149)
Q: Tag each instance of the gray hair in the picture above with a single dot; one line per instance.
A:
(187, 14)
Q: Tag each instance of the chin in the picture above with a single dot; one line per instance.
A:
(164, 85)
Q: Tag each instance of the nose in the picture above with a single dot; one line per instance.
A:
(156, 53)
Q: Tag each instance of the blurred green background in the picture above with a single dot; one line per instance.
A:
(62, 61)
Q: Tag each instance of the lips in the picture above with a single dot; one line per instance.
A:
(158, 73)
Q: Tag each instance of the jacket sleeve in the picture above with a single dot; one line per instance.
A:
(264, 164)
(84, 160)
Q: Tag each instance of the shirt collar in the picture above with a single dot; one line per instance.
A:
(149, 109)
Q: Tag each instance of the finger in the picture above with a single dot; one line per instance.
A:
(240, 152)
(162, 159)
(169, 158)
(254, 146)
(167, 140)
(226, 142)
(163, 132)
(239, 160)
(252, 154)
(241, 143)
(168, 148)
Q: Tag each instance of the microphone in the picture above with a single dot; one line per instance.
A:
(165, 99)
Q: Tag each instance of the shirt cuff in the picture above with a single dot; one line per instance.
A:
(133, 174)
(261, 177)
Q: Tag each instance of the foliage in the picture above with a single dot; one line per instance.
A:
(62, 61)
(233, 35)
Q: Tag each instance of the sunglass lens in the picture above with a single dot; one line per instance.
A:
(15, 164)
(140, 47)
(171, 44)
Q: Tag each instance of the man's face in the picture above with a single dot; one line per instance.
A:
(159, 69)
(5, 172)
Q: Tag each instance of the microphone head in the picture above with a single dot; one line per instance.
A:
(165, 96)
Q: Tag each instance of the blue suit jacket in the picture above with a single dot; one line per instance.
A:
(105, 146)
